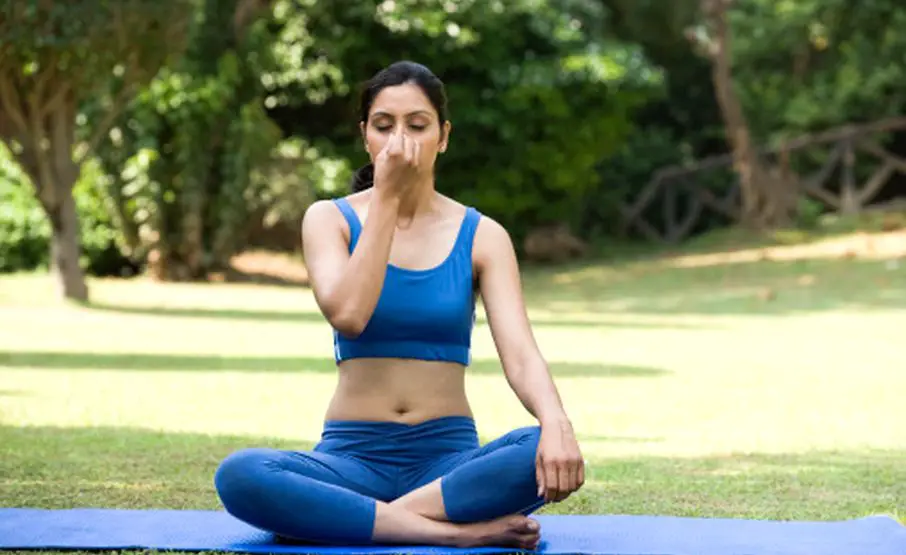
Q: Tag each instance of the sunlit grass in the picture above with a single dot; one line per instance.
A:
(764, 390)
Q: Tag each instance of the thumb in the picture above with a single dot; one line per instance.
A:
(385, 150)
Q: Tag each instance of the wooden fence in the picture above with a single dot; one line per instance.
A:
(684, 197)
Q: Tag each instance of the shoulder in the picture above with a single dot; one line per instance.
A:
(493, 243)
(323, 221)
(490, 232)
(490, 239)
(487, 231)
(327, 212)
(320, 213)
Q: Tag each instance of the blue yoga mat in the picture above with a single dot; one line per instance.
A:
(182, 530)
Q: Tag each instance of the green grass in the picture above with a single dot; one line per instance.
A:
(761, 390)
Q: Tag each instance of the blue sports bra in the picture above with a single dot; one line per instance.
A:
(421, 314)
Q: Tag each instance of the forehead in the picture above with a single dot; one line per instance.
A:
(400, 100)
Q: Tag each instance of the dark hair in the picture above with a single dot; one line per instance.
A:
(398, 73)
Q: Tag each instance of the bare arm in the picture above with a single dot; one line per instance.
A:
(501, 290)
(559, 466)
(346, 287)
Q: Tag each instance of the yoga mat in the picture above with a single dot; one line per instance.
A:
(96, 529)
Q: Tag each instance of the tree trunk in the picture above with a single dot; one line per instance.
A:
(768, 197)
(48, 161)
(65, 249)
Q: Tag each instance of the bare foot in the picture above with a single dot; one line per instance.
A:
(508, 531)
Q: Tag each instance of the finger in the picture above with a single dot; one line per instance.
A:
(563, 481)
(550, 481)
(394, 144)
(574, 476)
(416, 152)
(400, 141)
(409, 148)
(384, 152)
(581, 475)
(389, 144)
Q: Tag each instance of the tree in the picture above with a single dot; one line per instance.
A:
(539, 93)
(805, 66)
(183, 160)
(769, 198)
(55, 56)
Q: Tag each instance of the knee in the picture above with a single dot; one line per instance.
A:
(239, 475)
(530, 435)
(528, 438)
(525, 441)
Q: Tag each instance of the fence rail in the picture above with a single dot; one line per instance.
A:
(684, 199)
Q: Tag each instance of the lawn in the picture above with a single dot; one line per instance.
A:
(764, 386)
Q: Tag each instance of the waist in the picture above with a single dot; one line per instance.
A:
(399, 443)
(402, 391)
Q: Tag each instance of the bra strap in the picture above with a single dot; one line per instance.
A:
(352, 219)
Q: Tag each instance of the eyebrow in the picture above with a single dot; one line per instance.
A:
(378, 113)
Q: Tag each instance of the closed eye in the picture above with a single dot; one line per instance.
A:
(386, 128)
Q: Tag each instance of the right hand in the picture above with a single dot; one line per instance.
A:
(396, 165)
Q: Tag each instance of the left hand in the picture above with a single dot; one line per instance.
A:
(559, 465)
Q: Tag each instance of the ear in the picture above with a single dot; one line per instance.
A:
(363, 130)
(445, 136)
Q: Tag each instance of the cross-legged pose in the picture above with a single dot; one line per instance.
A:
(396, 268)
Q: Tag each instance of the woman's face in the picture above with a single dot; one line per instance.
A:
(405, 107)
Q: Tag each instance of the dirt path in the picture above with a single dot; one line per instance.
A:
(890, 245)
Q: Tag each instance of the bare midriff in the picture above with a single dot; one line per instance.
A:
(394, 390)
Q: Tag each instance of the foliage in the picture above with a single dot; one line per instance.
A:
(623, 174)
(796, 67)
(25, 232)
(812, 64)
(538, 95)
(55, 56)
(283, 188)
(561, 109)
(686, 106)
(180, 161)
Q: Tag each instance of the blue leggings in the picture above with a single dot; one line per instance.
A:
(328, 494)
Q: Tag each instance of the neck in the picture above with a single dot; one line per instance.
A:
(418, 201)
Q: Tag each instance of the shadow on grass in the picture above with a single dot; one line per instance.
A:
(13, 393)
(300, 316)
(179, 363)
(238, 314)
(751, 288)
(64, 467)
(540, 323)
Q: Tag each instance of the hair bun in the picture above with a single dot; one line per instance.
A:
(363, 178)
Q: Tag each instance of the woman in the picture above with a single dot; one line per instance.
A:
(395, 268)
